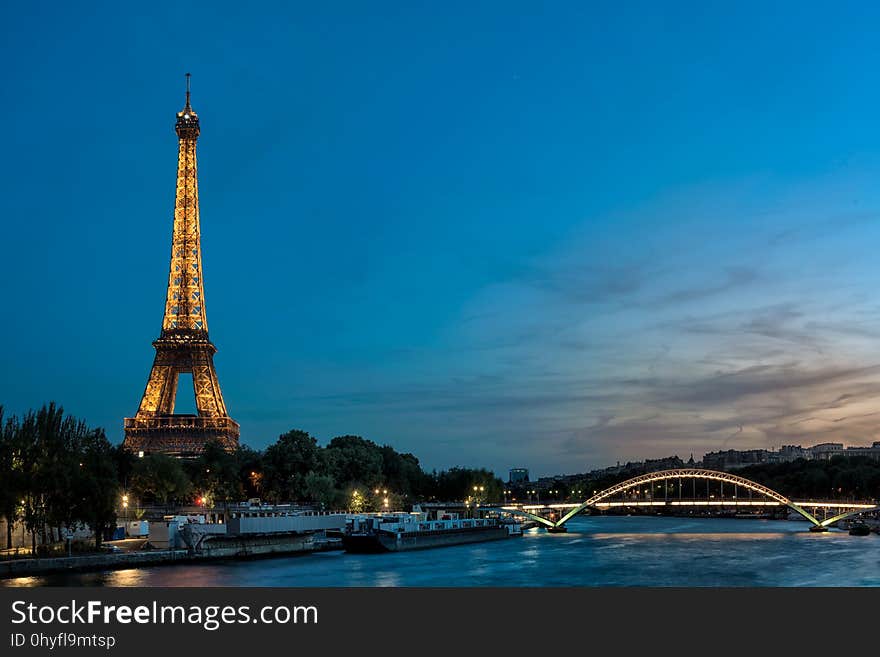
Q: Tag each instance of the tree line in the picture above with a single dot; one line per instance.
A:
(350, 472)
(57, 473)
(838, 478)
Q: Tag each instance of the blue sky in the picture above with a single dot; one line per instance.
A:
(492, 234)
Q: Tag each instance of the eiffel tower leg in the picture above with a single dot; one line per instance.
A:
(161, 391)
(209, 400)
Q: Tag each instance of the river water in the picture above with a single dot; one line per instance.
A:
(596, 551)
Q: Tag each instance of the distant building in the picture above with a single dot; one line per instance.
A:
(789, 453)
(519, 476)
(667, 463)
(827, 451)
(872, 452)
(732, 458)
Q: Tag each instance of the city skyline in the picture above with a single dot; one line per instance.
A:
(492, 238)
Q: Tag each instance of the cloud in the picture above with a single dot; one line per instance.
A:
(592, 283)
(802, 231)
(734, 277)
(723, 332)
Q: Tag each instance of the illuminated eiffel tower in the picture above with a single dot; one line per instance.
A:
(183, 346)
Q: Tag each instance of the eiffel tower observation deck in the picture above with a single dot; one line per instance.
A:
(183, 345)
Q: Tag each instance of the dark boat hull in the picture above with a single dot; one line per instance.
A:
(368, 543)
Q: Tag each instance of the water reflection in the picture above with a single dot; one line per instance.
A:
(690, 536)
(24, 581)
(128, 577)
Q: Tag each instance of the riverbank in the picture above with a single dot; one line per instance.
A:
(89, 562)
(231, 550)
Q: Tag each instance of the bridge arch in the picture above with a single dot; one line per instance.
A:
(686, 473)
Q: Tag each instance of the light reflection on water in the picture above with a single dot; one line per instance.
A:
(596, 551)
(127, 577)
(692, 536)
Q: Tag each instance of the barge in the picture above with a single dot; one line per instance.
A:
(398, 533)
(260, 531)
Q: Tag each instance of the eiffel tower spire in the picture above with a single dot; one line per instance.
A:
(183, 345)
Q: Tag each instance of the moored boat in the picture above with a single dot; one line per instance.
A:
(401, 532)
(859, 529)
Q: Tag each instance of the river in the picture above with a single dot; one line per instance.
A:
(596, 551)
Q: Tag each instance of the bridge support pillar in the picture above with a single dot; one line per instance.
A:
(557, 529)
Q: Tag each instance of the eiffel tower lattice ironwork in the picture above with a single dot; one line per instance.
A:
(183, 345)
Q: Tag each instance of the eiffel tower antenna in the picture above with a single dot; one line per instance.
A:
(183, 346)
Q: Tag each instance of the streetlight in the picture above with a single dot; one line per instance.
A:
(124, 514)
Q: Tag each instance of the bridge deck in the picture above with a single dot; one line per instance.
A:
(710, 502)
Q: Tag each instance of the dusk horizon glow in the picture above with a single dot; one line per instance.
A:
(497, 236)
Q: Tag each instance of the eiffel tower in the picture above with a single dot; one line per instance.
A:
(183, 345)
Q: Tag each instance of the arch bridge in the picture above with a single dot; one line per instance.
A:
(596, 500)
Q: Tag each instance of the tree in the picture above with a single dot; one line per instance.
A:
(321, 489)
(353, 460)
(161, 479)
(34, 449)
(458, 484)
(250, 471)
(401, 472)
(286, 464)
(98, 484)
(216, 474)
(357, 503)
(11, 483)
(62, 469)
